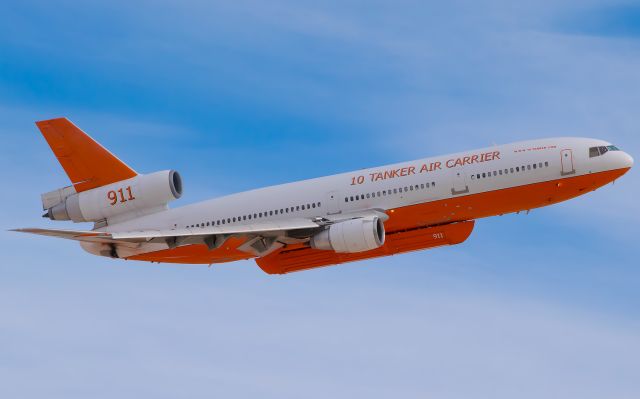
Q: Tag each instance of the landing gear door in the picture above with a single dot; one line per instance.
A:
(333, 203)
(459, 182)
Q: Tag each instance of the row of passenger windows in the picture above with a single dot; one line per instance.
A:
(384, 193)
(597, 151)
(512, 170)
(258, 215)
(358, 197)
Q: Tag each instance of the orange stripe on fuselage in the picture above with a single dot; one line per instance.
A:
(448, 210)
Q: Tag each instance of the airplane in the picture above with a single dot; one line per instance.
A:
(331, 220)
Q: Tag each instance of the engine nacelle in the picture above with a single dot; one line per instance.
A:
(355, 235)
(139, 195)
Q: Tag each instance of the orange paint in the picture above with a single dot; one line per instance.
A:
(87, 163)
(292, 260)
(408, 228)
(198, 254)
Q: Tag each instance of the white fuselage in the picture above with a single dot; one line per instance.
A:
(393, 186)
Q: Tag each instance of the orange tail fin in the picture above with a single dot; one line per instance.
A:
(86, 162)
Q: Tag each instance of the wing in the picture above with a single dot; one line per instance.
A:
(86, 236)
(260, 239)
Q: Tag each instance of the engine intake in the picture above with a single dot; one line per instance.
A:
(139, 195)
(350, 236)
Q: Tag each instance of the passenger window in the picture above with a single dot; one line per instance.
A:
(351, 198)
(534, 166)
(495, 173)
(484, 175)
(546, 164)
(511, 170)
(368, 195)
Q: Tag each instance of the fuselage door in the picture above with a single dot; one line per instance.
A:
(566, 159)
(333, 203)
(459, 183)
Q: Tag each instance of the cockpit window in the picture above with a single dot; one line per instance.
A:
(597, 151)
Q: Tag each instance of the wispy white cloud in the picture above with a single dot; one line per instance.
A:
(211, 333)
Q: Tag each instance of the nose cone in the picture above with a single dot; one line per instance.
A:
(627, 160)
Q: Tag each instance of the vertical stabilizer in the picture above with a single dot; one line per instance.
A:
(86, 162)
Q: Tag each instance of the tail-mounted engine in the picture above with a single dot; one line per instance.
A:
(142, 194)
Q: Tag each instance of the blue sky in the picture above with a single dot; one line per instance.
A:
(238, 95)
